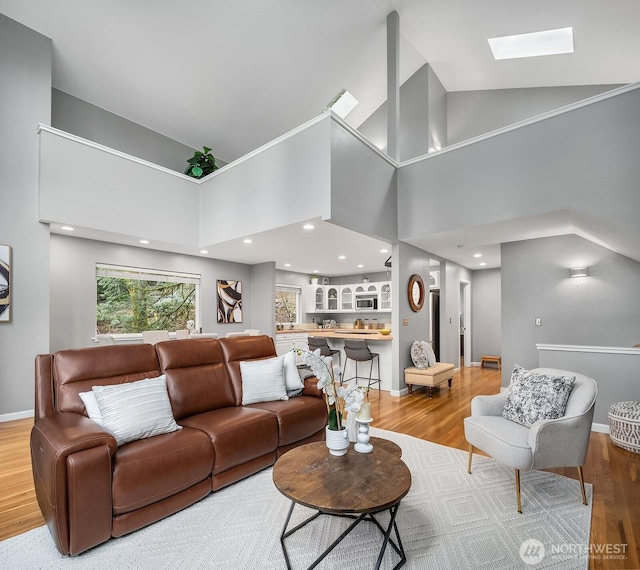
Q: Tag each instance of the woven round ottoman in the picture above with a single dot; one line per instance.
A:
(624, 425)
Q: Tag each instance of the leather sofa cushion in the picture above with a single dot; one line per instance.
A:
(197, 377)
(238, 434)
(149, 470)
(78, 370)
(298, 418)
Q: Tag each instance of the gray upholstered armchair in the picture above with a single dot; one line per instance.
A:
(547, 443)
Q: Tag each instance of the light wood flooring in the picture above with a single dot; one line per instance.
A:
(613, 472)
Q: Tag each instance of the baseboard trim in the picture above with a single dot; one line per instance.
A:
(398, 393)
(600, 428)
(16, 416)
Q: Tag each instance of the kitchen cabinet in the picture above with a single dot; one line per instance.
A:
(342, 298)
(346, 298)
(286, 342)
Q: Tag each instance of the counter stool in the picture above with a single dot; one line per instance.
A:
(316, 343)
(358, 351)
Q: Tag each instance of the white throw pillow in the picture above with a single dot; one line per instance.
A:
(431, 356)
(136, 410)
(420, 354)
(292, 378)
(91, 405)
(263, 380)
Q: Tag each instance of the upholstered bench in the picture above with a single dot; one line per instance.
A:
(430, 377)
(624, 425)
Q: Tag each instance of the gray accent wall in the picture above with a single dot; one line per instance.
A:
(73, 115)
(262, 299)
(486, 311)
(599, 310)
(473, 113)
(73, 286)
(25, 101)
(423, 116)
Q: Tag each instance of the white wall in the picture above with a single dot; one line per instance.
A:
(73, 286)
(25, 101)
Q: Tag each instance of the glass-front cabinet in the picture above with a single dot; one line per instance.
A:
(332, 298)
(385, 297)
(349, 298)
(346, 298)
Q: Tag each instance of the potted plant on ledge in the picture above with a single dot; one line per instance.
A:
(201, 163)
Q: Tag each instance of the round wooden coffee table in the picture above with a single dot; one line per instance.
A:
(355, 485)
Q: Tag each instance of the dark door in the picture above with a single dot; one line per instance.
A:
(435, 321)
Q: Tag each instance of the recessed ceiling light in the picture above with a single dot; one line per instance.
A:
(287, 265)
(308, 226)
(67, 228)
(550, 42)
(360, 265)
(203, 251)
(482, 264)
(145, 241)
(477, 255)
(342, 257)
(383, 250)
(247, 240)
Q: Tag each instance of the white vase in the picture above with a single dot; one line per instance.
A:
(314, 281)
(337, 440)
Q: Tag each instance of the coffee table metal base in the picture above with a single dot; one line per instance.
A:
(396, 545)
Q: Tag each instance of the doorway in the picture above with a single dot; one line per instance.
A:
(465, 324)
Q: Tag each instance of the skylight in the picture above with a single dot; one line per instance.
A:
(550, 42)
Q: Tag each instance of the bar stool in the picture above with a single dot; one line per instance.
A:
(316, 343)
(358, 351)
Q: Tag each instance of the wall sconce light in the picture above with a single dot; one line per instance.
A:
(579, 272)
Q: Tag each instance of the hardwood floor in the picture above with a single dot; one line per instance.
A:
(613, 472)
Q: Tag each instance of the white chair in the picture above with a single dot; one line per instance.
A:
(204, 335)
(561, 442)
(234, 334)
(182, 333)
(151, 337)
(105, 339)
(252, 332)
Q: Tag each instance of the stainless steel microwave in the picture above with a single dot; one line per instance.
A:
(367, 303)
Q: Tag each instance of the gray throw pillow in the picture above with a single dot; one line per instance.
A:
(534, 396)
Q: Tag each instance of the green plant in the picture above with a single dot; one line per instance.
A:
(201, 163)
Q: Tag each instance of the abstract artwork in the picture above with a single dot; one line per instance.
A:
(229, 301)
(5, 283)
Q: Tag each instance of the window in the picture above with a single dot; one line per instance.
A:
(132, 300)
(288, 304)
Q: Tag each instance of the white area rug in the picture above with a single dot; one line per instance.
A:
(449, 520)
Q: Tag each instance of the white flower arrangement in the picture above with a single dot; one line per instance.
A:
(339, 398)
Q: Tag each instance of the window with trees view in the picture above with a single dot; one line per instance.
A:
(132, 300)
(287, 304)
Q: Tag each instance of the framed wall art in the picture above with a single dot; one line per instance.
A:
(5, 283)
(229, 301)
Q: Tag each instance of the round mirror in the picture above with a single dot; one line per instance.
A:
(415, 292)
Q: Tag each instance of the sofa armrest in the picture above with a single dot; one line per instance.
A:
(488, 405)
(65, 447)
(311, 387)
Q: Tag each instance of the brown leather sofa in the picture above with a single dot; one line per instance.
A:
(90, 490)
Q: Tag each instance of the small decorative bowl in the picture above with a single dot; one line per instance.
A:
(384, 331)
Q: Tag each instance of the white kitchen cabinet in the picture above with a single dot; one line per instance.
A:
(289, 341)
(384, 302)
(332, 298)
(342, 298)
(316, 299)
(346, 298)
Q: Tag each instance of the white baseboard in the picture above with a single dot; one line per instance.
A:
(474, 364)
(398, 393)
(16, 416)
(600, 428)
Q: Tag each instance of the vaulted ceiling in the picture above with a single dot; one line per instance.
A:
(235, 74)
